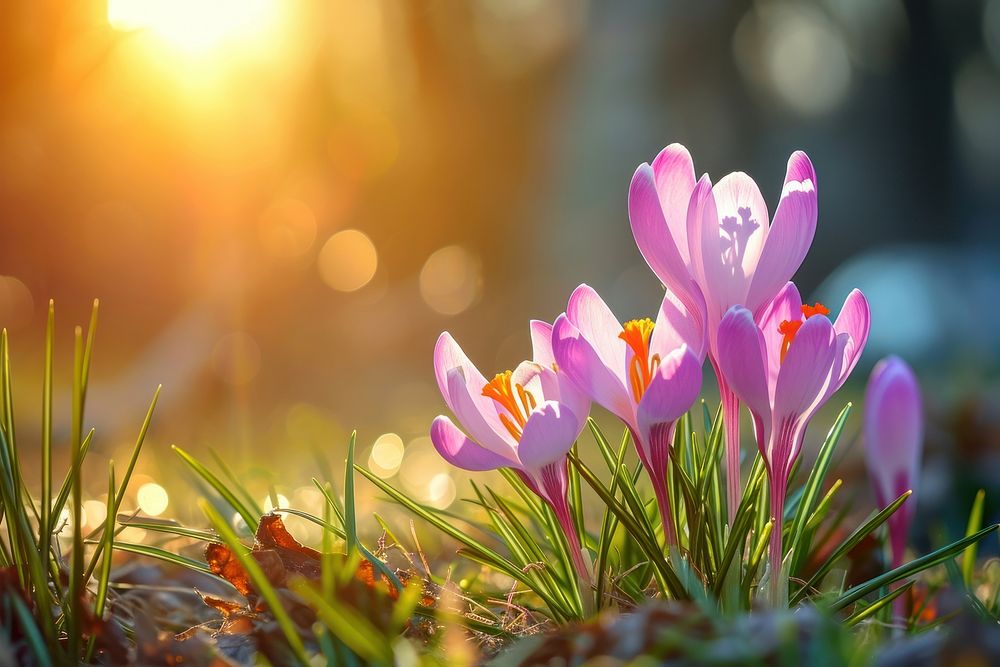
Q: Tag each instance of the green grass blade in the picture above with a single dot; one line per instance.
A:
(235, 483)
(351, 525)
(119, 497)
(327, 490)
(326, 525)
(45, 521)
(67, 484)
(222, 489)
(852, 541)
(575, 496)
(164, 555)
(167, 527)
(878, 604)
(108, 542)
(351, 521)
(76, 583)
(259, 580)
(973, 525)
(911, 568)
(811, 490)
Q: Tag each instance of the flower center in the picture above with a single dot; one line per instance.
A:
(636, 335)
(789, 328)
(514, 398)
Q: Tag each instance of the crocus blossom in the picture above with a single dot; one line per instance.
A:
(893, 442)
(715, 244)
(526, 419)
(648, 374)
(784, 369)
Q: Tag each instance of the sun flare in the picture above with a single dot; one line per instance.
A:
(194, 26)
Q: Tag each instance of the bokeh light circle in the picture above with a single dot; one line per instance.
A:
(152, 499)
(348, 260)
(451, 280)
(386, 455)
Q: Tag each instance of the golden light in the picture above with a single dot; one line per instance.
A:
(347, 261)
(387, 455)
(451, 280)
(269, 505)
(194, 26)
(152, 498)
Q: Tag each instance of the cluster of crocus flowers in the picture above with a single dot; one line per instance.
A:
(714, 247)
(526, 420)
(893, 437)
(784, 365)
(726, 267)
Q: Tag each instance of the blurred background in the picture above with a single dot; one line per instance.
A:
(282, 203)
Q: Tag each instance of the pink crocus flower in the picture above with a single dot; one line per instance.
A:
(894, 431)
(526, 420)
(784, 369)
(714, 244)
(648, 374)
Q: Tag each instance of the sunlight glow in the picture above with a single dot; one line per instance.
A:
(193, 26)
(153, 499)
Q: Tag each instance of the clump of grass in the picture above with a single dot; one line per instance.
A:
(55, 602)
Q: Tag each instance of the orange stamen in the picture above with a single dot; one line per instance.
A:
(514, 398)
(789, 328)
(636, 334)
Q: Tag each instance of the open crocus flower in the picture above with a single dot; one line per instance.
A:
(785, 369)
(715, 244)
(894, 433)
(526, 419)
(648, 374)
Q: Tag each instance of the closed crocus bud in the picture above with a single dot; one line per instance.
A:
(894, 434)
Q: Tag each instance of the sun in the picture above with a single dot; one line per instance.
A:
(194, 26)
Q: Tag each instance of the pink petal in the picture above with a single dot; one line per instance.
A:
(695, 234)
(448, 355)
(541, 342)
(674, 174)
(576, 357)
(455, 448)
(805, 373)
(742, 360)
(548, 434)
(852, 327)
(790, 235)
(786, 306)
(461, 385)
(676, 325)
(592, 317)
(672, 391)
(894, 425)
(654, 235)
(739, 234)
(557, 386)
(479, 415)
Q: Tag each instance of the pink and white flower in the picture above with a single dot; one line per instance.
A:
(714, 244)
(784, 369)
(648, 374)
(894, 433)
(526, 419)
